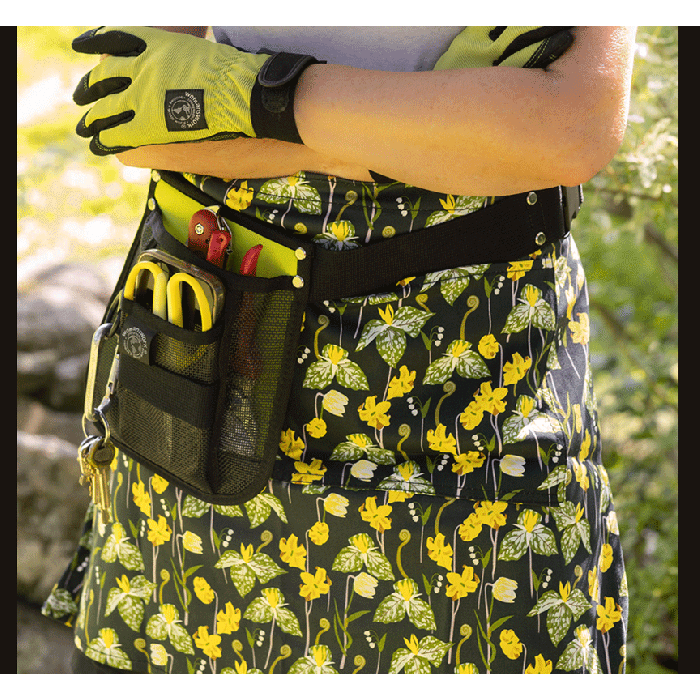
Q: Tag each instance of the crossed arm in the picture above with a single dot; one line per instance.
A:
(475, 131)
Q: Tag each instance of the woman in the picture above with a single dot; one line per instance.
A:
(437, 502)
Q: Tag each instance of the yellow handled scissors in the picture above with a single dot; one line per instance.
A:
(174, 299)
(160, 281)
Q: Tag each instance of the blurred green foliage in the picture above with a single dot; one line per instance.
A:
(627, 233)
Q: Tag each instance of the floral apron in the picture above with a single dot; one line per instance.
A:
(438, 504)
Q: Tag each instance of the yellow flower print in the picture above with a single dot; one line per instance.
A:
(399, 496)
(141, 498)
(585, 446)
(527, 404)
(208, 643)
(314, 585)
(159, 656)
(376, 516)
(203, 590)
(318, 534)
(608, 615)
(504, 589)
(440, 552)
(192, 543)
(581, 329)
(531, 295)
(471, 527)
(472, 415)
(510, 644)
(337, 505)
(316, 427)
(606, 557)
(123, 583)
(593, 586)
(293, 553)
(363, 469)
(467, 462)
(541, 666)
(517, 269)
(581, 474)
(158, 532)
(570, 301)
(462, 584)
(246, 552)
(439, 441)
(291, 446)
(530, 520)
(491, 400)
(373, 413)
(387, 315)
(564, 591)
(365, 585)
(488, 346)
(228, 620)
(467, 668)
(412, 643)
(516, 369)
(239, 198)
(492, 513)
(334, 402)
(159, 484)
(513, 465)
(308, 473)
(341, 230)
(401, 385)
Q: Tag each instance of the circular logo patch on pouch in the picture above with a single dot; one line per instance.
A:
(184, 110)
(135, 343)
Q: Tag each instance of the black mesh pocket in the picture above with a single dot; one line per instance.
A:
(166, 396)
(257, 368)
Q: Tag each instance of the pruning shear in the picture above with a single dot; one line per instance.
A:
(159, 285)
(167, 293)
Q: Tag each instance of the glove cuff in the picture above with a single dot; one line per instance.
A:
(272, 98)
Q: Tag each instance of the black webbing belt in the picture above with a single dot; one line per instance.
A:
(511, 228)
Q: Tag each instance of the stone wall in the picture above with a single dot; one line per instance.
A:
(58, 309)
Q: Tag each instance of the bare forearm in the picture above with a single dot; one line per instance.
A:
(474, 131)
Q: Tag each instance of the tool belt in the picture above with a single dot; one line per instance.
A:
(204, 408)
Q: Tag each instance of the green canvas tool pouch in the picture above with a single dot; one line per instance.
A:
(204, 408)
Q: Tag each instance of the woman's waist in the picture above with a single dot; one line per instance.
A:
(338, 213)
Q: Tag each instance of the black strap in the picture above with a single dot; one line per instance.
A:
(511, 228)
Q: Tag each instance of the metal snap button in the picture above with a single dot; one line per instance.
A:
(540, 238)
(532, 198)
(300, 253)
(298, 282)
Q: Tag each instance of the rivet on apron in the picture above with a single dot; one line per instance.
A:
(300, 253)
(151, 204)
(298, 282)
(540, 238)
(532, 198)
(155, 175)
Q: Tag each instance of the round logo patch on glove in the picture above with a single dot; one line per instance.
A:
(184, 110)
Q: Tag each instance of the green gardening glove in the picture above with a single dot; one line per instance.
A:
(521, 47)
(158, 87)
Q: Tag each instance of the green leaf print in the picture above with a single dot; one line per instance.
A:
(457, 358)
(118, 547)
(334, 363)
(318, 661)
(166, 625)
(360, 445)
(106, 650)
(246, 567)
(363, 552)
(527, 421)
(418, 656)
(389, 333)
(128, 599)
(574, 528)
(259, 508)
(405, 599)
(562, 609)
(294, 188)
(579, 653)
(528, 532)
(407, 477)
(270, 604)
(531, 309)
